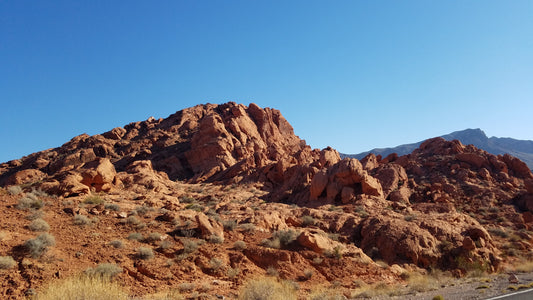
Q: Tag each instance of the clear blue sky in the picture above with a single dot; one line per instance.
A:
(353, 75)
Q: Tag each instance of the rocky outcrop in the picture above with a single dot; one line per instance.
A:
(343, 181)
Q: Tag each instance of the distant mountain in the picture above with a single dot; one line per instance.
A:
(522, 149)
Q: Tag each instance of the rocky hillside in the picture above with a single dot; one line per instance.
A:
(215, 195)
(518, 148)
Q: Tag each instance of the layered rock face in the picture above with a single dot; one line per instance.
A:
(434, 207)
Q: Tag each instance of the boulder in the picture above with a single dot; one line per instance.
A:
(316, 240)
(26, 176)
(209, 227)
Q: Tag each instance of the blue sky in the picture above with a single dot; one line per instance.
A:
(353, 75)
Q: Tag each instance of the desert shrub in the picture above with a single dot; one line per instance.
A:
(190, 246)
(133, 220)
(271, 271)
(246, 227)
(438, 297)
(117, 244)
(272, 243)
(142, 210)
(186, 287)
(153, 237)
(229, 225)
(308, 273)
(239, 245)
(215, 239)
(135, 236)
(39, 245)
(93, 200)
(39, 225)
(282, 238)
(104, 270)
(409, 218)
(317, 260)
(37, 214)
(165, 245)
(145, 253)
(112, 206)
(267, 288)
(39, 193)
(187, 199)
(81, 220)
(83, 287)
(233, 272)
(216, 264)
(7, 262)
(498, 232)
(30, 201)
(334, 253)
(14, 190)
(308, 221)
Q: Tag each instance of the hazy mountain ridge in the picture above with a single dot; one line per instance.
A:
(523, 149)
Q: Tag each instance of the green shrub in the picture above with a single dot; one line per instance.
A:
(438, 297)
(105, 270)
(145, 253)
(93, 200)
(39, 245)
(7, 262)
(39, 225)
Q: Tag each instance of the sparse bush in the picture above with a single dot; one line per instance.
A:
(7, 262)
(409, 218)
(498, 232)
(308, 221)
(30, 201)
(14, 190)
(117, 244)
(104, 270)
(268, 288)
(190, 246)
(271, 271)
(39, 245)
(215, 264)
(308, 273)
(39, 225)
(133, 220)
(93, 200)
(317, 260)
(112, 206)
(233, 272)
(35, 215)
(143, 210)
(286, 237)
(145, 253)
(239, 245)
(83, 287)
(136, 236)
(229, 225)
(187, 199)
(153, 237)
(216, 239)
(81, 220)
(186, 287)
(165, 245)
(246, 227)
(438, 297)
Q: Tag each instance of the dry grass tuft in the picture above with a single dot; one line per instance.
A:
(83, 288)
(267, 288)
